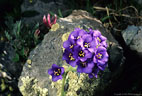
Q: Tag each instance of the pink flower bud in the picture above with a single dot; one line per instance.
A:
(49, 22)
(54, 19)
(45, 21)
(37, 32)
(48, 18)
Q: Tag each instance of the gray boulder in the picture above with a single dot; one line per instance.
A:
(34, 79)
(133, 38)
(34, 10)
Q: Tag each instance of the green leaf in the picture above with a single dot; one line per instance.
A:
(52, 14)
(22, 52)
(16, 58)
(18, 25)
(16, 29)
(8, 36)
(60, 13)
(105, 18)
(35, 28)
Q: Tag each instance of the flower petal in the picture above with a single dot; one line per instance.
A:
(87, 70)
(79, 69)
(72, 63)
(80, 42)
(101, 62)
(103, 38)
(96, 33)
(55, 78)
(88, 55)
(66, 44)
(94, 59)
(90, 75)
(50, 71)
(91, 65)
(54, 66)
(87, 38)
(62, 70)
(83, 59)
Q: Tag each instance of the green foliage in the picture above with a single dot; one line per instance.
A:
(16, 58)
(60, 13)
(22, 38)
(89, 7)
(105, 18)
(118, 4)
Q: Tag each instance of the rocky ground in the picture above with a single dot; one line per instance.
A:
(122, 75)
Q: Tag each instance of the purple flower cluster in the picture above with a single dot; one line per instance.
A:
(87, 51)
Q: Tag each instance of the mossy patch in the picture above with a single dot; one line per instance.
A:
(30, 87)
(65, 36)
(29, 62)
(55, 27)
(2, 86)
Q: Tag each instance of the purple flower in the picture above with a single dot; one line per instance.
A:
(56, 72)
(69, 56)
(69, 44)
(100, 38)
(86, 66)
(87, 42)
(76, 34)
(82, 55)
(91, 32)
(101, 55)
(87, 50)
(94, 72)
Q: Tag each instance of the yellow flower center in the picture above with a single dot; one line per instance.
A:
(97, 45)
(87, 45)
(81, 54)
(98, 39)
(58, 72)
(99, 56)
(78, 37)
(71, 57)
(83, 64)
(71, 46)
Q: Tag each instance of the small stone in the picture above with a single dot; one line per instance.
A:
(5, 52)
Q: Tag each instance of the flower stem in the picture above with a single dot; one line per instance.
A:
(63, 83)
(64, 78)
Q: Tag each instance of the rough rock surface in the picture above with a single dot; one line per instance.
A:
(133, 38)
(9, 71)
(34, 75)
(6, 59)
(34, 10)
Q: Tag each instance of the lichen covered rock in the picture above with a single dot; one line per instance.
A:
(50, 52)
(30, 87)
